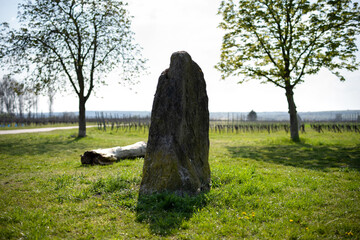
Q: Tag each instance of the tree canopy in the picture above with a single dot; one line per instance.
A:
(252, 116)
(72, 42)
(281, 41)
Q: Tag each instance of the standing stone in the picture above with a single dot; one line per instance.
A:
(177, 152)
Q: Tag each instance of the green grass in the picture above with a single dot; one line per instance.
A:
(263, 187)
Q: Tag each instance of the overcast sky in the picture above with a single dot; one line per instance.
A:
(165, 26)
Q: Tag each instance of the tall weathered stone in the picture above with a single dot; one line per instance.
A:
(176, 158)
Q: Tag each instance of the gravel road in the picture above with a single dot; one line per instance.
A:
(35, 130)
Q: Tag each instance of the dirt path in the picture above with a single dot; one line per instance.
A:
(35, 130)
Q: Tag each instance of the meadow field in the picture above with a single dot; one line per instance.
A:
(263, 187)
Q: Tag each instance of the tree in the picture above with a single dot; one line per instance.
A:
(8, 93)
(14, 96)
(281, 41)
(252, 116)
(76, 42)
(51, 95)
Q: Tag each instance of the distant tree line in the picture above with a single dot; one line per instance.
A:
(16, 98)
(126, 123)
(36, 119)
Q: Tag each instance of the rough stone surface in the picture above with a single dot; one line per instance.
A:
(176, 158)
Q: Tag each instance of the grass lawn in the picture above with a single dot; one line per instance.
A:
(263, 187)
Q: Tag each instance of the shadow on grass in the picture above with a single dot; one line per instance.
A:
(38, 144)
(320, 158)
(166, 213)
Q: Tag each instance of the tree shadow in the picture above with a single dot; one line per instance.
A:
(38, 145)
(166, 212)
(321, 158)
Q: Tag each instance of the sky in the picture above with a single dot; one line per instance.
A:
(162, 27)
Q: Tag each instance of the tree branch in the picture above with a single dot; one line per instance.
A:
(260, 73)
(106, 55)
(61, 62)
(265, 49)
(93, 61)
(298, 79)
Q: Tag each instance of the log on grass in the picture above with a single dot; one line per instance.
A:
(108, 156)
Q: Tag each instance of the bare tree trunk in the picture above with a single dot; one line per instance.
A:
(36, 104)
(51, 95)
(294, 128)
(110, 155)
(82, 117)
(21, 105)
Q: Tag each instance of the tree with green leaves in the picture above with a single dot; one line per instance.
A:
(72, 43)
(252, 116)
(281, 41)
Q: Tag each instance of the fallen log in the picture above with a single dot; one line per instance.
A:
(108, 156)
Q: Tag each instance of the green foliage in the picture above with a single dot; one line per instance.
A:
(78, 42)
(280, 41)
(264, 186)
